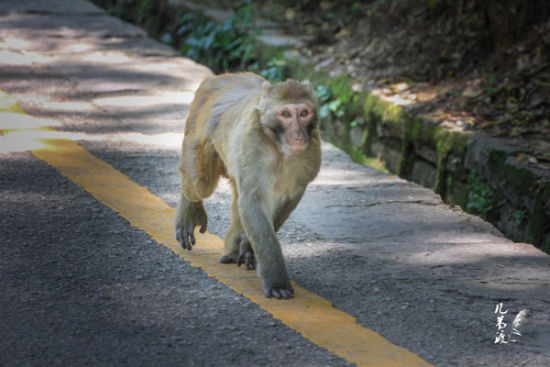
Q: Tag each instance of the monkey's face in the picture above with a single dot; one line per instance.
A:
(296, 122)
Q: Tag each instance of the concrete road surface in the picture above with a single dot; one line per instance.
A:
(82, 283)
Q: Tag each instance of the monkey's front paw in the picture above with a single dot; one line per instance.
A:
(246, 255)
(279, 293)
(185, 236)
(193, 215)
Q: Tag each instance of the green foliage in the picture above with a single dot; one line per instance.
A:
(340, 87)
(324, 95)
(330, 104)
(224, 47)
(336, 100)
(480, 200)
(432, 4)
(120, 8)
(519, 217)
(276, 70)
(336, 107)
(228, 46)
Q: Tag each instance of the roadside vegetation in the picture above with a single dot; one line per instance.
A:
(456, 68)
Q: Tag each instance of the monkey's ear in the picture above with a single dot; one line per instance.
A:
(307, 84)
(263, 101)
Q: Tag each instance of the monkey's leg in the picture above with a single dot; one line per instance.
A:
(233, 235)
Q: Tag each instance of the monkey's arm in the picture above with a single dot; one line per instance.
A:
(267, 250)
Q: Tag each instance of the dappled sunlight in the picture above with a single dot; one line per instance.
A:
(21, 141)
(395, 99)
(68, 106)
(345, 177)
(25, 140)
(166, 140)
(160, 66)
(107, 57)
(78, 47)
(15, 43)
(295, 249)
(473, 248)
(148, 101)
(114, 97)
(20, 121)
(400, 94)
(23, 57)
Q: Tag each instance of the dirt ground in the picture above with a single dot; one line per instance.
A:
(444, 61)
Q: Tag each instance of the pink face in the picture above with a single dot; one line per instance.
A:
(295, 119)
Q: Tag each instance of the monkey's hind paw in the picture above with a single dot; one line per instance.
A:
(247, 259)
(246, 255)
(228, 259)
(279, 293)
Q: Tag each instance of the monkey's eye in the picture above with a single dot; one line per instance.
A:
(304, 113)
(285, 114)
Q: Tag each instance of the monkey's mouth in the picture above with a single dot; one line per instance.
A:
(293, 149)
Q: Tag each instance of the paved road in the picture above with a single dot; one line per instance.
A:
(79, 285)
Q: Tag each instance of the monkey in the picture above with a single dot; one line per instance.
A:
(265, 139)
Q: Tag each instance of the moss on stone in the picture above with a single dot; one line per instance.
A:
(446, 142)
(476, 198)
(384, 112)
(540, 222)
(359, 157)
(457, 192)
(481, 198)
(391, 133)
(422, 132)
(521, 178)
(408, 155)
(369, 134)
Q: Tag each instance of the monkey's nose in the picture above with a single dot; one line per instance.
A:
(299, 138)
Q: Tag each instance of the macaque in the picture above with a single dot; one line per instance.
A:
(263, 137)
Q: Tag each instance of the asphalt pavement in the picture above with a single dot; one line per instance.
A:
(80, 285)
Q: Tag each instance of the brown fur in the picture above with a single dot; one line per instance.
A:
(232, 131)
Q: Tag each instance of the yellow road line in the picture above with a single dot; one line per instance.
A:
(9, 104)
(314, 317)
